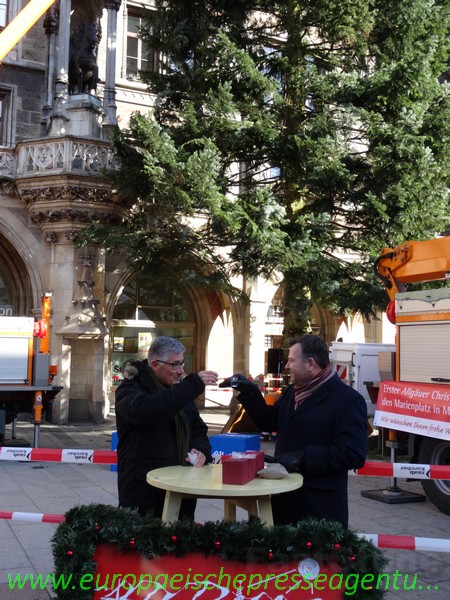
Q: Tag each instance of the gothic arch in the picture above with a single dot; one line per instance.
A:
(327, 324)
(21, 271)
(205, 306)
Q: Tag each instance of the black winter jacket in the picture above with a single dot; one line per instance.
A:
(330, 427)
(146, 433)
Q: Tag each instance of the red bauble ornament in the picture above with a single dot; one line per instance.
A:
(217, 545)
(308, 545)
(69, 553)
(132, 543)
(174, 539)
(352, 558)
(337, 546)
(270, 555)
(390, 312)
(96, 528)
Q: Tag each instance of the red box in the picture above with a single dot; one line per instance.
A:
(258, 457)
(237, 471)
(255, 456)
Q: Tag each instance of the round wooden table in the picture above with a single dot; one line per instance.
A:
(206, 482)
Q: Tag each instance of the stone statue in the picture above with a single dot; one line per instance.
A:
(83, 68)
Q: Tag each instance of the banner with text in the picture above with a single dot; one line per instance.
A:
(420, 408)
(133, 577)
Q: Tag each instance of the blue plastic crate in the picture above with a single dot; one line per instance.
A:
(114, 442)
(226, 443)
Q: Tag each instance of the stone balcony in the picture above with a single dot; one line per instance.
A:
(63, 183)
(49, 156)
(8, 163)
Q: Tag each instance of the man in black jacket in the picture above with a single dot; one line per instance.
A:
(321, 426)
(158, 423)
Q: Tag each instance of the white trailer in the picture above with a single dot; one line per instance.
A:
(357, 364)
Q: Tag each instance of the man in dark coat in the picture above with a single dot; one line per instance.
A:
(321, 426)
(158, 423)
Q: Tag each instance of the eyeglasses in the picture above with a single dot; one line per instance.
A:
(174, 365)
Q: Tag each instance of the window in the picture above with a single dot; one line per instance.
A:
(2, 116)
(140, 302)
(142, 313)
(136, 59)
(138, 56)
(3, 13)
(6, 126)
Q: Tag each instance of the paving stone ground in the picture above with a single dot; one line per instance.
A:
(25, 547)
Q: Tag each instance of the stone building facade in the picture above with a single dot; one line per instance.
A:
(63, 87)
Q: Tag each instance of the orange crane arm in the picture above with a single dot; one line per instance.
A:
(413, 262)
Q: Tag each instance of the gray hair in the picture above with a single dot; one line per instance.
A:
(163, 346)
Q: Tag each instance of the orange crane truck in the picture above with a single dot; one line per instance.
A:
(416, 402)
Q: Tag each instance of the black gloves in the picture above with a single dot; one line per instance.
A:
(240, 383)
(293, 462)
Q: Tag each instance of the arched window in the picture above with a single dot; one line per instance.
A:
(144, 312)
(139, 301)
(6, 296)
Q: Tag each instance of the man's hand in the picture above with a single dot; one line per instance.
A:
(208, 377)
(197, 458)
(293, 462)
(239, 382)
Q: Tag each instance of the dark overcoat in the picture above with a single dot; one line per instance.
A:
(147, 435)
(330, 427)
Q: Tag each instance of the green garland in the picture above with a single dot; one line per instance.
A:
(75, 541)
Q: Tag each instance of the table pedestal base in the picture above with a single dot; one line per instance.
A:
(256, 507)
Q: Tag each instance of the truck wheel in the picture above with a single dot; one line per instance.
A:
(436, 452)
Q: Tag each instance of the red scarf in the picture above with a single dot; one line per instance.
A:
(301, 392)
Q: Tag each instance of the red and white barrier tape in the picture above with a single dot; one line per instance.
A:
(407, 542)
(35, 517)
(105, 457)
(398, 542)
(405, 470)
(109, 457)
